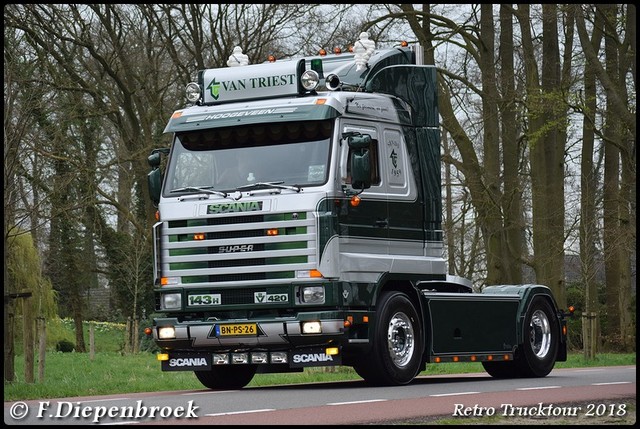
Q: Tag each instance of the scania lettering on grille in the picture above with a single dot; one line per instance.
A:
(247, 206)
(236, 248)
(312, 357)
(187, 362)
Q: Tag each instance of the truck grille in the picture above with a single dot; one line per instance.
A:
(234, 248)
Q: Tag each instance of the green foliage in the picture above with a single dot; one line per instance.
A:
(25, 275)
(58, 331)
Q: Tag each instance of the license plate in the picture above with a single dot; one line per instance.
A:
(237, 329)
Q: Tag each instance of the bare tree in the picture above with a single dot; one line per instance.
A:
(619, 135)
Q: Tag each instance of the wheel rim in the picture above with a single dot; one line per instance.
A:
(400, 339)
(540, 334)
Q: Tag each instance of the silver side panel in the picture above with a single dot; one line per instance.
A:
(356, 260)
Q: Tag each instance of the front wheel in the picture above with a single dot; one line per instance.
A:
(397, 343)
(227, 376)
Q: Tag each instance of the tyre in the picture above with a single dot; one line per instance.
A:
(227, 376)
(397, 344)
(541, 340)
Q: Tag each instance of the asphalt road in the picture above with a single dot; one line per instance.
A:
(351, 402)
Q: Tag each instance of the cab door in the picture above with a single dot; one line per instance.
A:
(404, 212)
(364, 228)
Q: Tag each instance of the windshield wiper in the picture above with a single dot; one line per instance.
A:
(203, 189)
(263, 185)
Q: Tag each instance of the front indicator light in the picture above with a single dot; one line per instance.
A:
(168, 281)
(162, 356)
(331, 351)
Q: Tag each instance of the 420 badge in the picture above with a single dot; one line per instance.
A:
(274, 298)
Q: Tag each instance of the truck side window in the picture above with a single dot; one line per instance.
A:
(373, 157)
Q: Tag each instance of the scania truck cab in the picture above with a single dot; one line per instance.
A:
(299, 225)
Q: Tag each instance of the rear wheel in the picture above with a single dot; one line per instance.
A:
(541, 340)
(537, 355)
(227, 376)
(397, 343)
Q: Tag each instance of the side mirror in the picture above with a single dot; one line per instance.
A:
(357, 140)
(154, 181)
(154, 178)
(360, 159)
(154, 159)
(360, 170)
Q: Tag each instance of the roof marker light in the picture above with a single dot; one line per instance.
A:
(192, 92)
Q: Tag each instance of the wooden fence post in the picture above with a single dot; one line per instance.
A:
(127, 336)
(589, 334)
(42, 346)
(28, 339)
(92, 342)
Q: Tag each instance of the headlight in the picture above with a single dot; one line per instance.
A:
(171, 301)
(312, 294)
(310, 80)
(166, 333)
(193, 92)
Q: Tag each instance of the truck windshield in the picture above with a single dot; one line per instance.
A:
(225, 159)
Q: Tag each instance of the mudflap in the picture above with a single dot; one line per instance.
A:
(309, 357)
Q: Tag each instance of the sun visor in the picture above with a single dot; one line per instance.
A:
(197, 118)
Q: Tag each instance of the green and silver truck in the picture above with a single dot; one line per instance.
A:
(300, 225)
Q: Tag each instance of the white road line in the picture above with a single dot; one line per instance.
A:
(539, 388)
(612, 382)
(104, 400)
(357, 402)
(207, 392)
(240, 412)
(455, 394)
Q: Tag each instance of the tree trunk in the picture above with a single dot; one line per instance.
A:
(512, 196)
(77, 321)
(546, 139)
(493, 226)
(588, 187)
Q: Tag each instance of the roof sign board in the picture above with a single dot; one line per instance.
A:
(223, 85)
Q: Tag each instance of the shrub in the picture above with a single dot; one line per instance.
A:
(65, 346)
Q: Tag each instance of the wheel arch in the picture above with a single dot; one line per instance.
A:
(532, 292)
